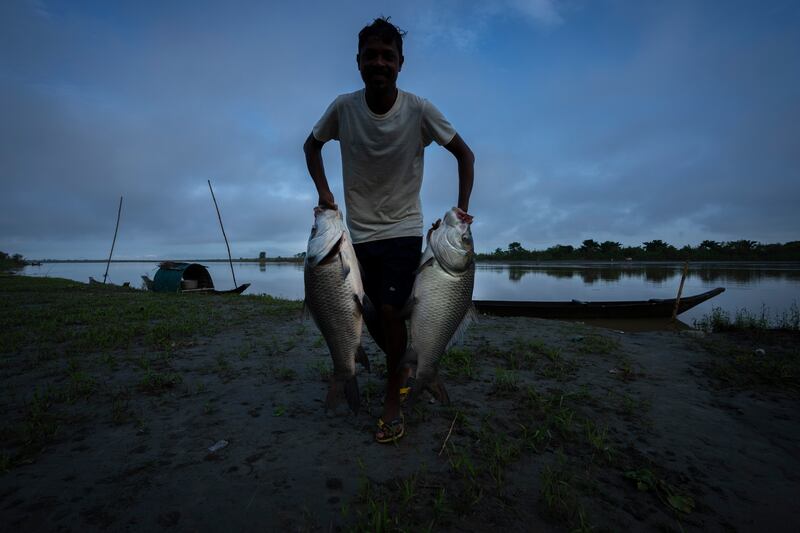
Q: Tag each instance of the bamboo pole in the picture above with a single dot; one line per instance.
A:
(680, 290)
(230, 260)
(116, 229)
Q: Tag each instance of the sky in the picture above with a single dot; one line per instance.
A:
(622, 120)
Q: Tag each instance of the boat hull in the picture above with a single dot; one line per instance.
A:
(654, 308)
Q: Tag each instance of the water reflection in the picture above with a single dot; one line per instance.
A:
(654, 274)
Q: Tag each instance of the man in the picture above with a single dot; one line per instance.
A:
(382, 132)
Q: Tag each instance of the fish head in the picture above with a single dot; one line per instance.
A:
(326, 233)
(452, 244)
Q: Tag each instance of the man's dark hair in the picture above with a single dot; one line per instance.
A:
(384, 30)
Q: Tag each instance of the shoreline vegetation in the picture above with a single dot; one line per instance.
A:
(130, 409)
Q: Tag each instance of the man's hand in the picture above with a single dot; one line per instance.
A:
(463, 216)
(326, 201)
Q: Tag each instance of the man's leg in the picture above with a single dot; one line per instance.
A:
(396, 336)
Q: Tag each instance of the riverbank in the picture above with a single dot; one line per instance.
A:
(113, 398)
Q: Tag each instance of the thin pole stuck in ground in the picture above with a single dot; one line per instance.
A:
(116, 229)
(680, 290)
(230, 260)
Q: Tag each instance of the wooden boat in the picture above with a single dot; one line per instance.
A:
(653, 308)
(186, 278)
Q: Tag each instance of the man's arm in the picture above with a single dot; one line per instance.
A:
(466, 172)
(313, 151)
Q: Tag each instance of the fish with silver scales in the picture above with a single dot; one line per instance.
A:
(334, 296)
(440, 304)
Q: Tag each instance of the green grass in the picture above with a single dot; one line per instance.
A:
(597, 344)
(505, 380)
(743, 368)
(743, 319)
(459, 362)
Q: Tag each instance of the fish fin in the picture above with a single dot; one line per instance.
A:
(306, 314)
(409, 359)
(359, 305)
(361, 357)
(352, 394)
(435, 386)
(428, 262)
(469, 317)
(408, 307)
(345, 267)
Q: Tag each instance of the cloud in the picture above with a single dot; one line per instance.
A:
(541, 12)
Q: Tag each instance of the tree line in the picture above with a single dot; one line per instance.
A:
(655, 250)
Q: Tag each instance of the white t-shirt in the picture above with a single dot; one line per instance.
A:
(382, 160)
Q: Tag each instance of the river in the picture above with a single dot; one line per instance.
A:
(774, 287)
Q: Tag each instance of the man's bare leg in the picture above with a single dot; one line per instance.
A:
(395, 337)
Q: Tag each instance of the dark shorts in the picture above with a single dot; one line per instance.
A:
(387, 268)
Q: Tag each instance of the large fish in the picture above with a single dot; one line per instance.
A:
(334, 297)
(440, 302)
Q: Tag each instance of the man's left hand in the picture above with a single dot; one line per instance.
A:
(463, 216)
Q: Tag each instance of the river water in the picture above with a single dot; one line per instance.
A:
(750, 286)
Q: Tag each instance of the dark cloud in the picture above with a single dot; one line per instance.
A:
(620, 121)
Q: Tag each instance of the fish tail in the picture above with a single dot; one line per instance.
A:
(435, 386)
(350, 388)
(361, 357)
(334, 394)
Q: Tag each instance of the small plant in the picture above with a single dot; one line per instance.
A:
(459, 362)
(81, 385)
(407, 488)
(155, 382)
(284, 373)
(597, 436)
(668, 494)
(321, 368)
(119, 409)
(439, 504)
(505, 380)
(598, 344)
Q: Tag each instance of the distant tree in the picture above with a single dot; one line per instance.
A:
(560, 251)
(610, 249)
(515, 247)
(589, 248)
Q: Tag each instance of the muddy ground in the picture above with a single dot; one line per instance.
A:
(112, 399)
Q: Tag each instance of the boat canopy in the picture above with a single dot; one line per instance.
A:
(173, 277)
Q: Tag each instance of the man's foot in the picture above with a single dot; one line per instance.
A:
(390, 431)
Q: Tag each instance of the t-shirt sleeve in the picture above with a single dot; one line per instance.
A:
(327, 127)
(435, 127)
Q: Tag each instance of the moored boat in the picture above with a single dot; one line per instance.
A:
(653, 308)
(186, 278)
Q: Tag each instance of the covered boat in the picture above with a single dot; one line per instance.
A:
(186, 277)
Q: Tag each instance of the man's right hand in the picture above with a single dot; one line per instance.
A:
(326, 201)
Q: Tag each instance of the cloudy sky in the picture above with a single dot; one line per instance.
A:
(624, 120)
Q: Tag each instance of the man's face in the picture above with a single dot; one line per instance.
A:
(379, 64)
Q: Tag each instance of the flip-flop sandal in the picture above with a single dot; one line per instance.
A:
(404, 393)
(405, 390)
(392, 431)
